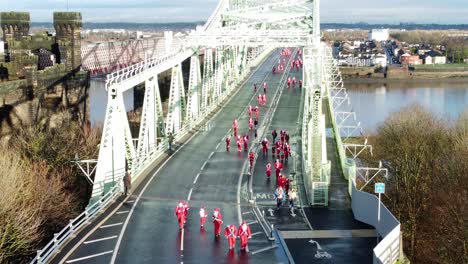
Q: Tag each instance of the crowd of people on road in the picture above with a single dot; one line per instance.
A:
(280, 150)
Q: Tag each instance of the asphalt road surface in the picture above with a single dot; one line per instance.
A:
(144, 229)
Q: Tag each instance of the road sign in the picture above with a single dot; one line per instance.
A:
(379, 187)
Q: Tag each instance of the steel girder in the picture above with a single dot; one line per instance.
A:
(151, 118)
(176, 106)
(193, 97)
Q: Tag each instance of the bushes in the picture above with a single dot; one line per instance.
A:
(428, 190)
(40, 190)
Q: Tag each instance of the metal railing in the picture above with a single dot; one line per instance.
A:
(75, 225)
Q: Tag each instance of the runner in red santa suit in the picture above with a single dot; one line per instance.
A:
(203, 215)
(278, 167)
(217, 221)
(251, 159)
(180, 214)
(256, 111)
(265, 86)
(250, 111)
(231, 234)
(264, 99)
(250, 123)
(264, 147)
(244, 233)
(235, 126)
(268, 170)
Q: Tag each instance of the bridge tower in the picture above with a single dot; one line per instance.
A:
(68, 27)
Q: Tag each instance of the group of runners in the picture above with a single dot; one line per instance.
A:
(231, 232)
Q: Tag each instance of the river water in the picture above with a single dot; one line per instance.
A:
(98, 101)
(373, 102)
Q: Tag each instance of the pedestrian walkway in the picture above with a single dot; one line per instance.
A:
(336, 237)
(285, 117)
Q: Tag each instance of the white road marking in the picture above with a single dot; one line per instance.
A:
(217, 146)
(248, 212)
(111, 225)
(196, 178)
(189, 194)
(131, 201)
(264, 249)
(98, 240)
(257, 233)
(211, 155)
(182, 241)
(90, 256)
(203, 166)
(253, 222)
(122, 212)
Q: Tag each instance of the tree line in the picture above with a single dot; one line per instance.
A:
(428, 183)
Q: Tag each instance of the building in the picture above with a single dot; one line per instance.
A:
(378, 34)
(407, 59)
(439, 60)
(427, 59)
(381, 60)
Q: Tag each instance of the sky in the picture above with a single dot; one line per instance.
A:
(162, 11)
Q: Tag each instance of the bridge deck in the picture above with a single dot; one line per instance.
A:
(201, 171)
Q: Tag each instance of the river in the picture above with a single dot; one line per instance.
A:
(373, 102)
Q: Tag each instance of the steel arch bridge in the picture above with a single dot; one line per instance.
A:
(239, 34)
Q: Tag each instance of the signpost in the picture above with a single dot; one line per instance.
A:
(379, 188)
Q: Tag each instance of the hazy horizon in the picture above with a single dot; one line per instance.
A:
(188, 11)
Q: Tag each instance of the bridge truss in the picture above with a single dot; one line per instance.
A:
(238, 33)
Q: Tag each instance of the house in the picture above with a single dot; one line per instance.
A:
(407, 59)
(427, 59)
(440, 60)
(381, 60)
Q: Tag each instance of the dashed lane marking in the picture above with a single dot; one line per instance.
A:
(99, 240)
(253, 222)
(122, 212)
(90, 256)
(196, 178)
(190, 194)
(257, 233)
(182, 241)
(131, 201)
(203, 166)
(211, 155)
(111, 225)
(248, 212)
